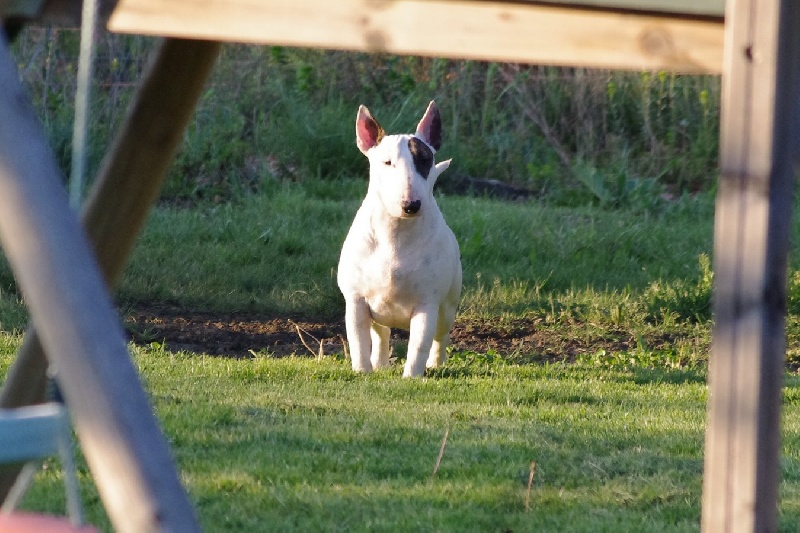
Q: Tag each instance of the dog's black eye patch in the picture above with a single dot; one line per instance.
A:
(422, 156)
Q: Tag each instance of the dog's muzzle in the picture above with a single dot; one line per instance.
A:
(411, 208)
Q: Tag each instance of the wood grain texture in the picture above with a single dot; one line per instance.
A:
(504, 31)
(126, 187)
(702, 8)
(751, 242)
(133, 171)
(65, 292)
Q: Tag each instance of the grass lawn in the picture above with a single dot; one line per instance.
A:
(296, 444)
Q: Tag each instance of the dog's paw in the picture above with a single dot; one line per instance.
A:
(362, 369)
(412, 373)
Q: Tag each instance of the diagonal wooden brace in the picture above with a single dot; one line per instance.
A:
(128, 183)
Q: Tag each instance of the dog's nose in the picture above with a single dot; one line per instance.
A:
(411, 208)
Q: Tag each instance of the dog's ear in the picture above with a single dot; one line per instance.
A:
(436, 171)
(368, 132)
(429, 128)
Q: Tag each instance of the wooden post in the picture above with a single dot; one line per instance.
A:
(79, 331)
(751, 242)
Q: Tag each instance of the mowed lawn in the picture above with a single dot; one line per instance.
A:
(296, 444)
(299, 444)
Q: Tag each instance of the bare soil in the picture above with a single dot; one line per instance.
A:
(246, 334)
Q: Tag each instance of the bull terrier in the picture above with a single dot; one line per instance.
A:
(400, 265)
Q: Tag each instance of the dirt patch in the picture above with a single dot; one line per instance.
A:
(245, 334)
(230, 334)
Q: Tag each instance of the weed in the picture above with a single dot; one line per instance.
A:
(682, 300)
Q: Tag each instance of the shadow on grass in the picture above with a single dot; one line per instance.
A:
(646, 376)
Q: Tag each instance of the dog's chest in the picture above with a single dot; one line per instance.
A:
(395, 275)
(393, 287)
(396, 272)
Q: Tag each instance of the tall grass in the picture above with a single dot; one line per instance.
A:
(571, 135)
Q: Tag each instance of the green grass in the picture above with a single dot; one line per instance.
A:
(302, 445)
(342, 452)
(578, 273)
(586, 274)
(569, 269)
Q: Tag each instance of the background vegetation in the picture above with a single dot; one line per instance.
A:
(571, 136)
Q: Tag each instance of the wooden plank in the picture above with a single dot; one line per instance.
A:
(69, 11)
(503, 31)
(25, 384)
(751, 243)
(66, 296)
(131, 175)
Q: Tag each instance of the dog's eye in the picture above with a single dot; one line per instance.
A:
(388, 162)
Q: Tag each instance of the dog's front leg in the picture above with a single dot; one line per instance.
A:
(420, 338)
(438, 354)
(380, 346)
(358, 320)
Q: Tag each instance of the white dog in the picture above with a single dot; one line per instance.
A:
(400, 265)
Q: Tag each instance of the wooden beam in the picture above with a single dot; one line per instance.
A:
(25, 384)
(503, 31)
(44, 9)
(66, 295)
(133, 171)
(751, 242)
